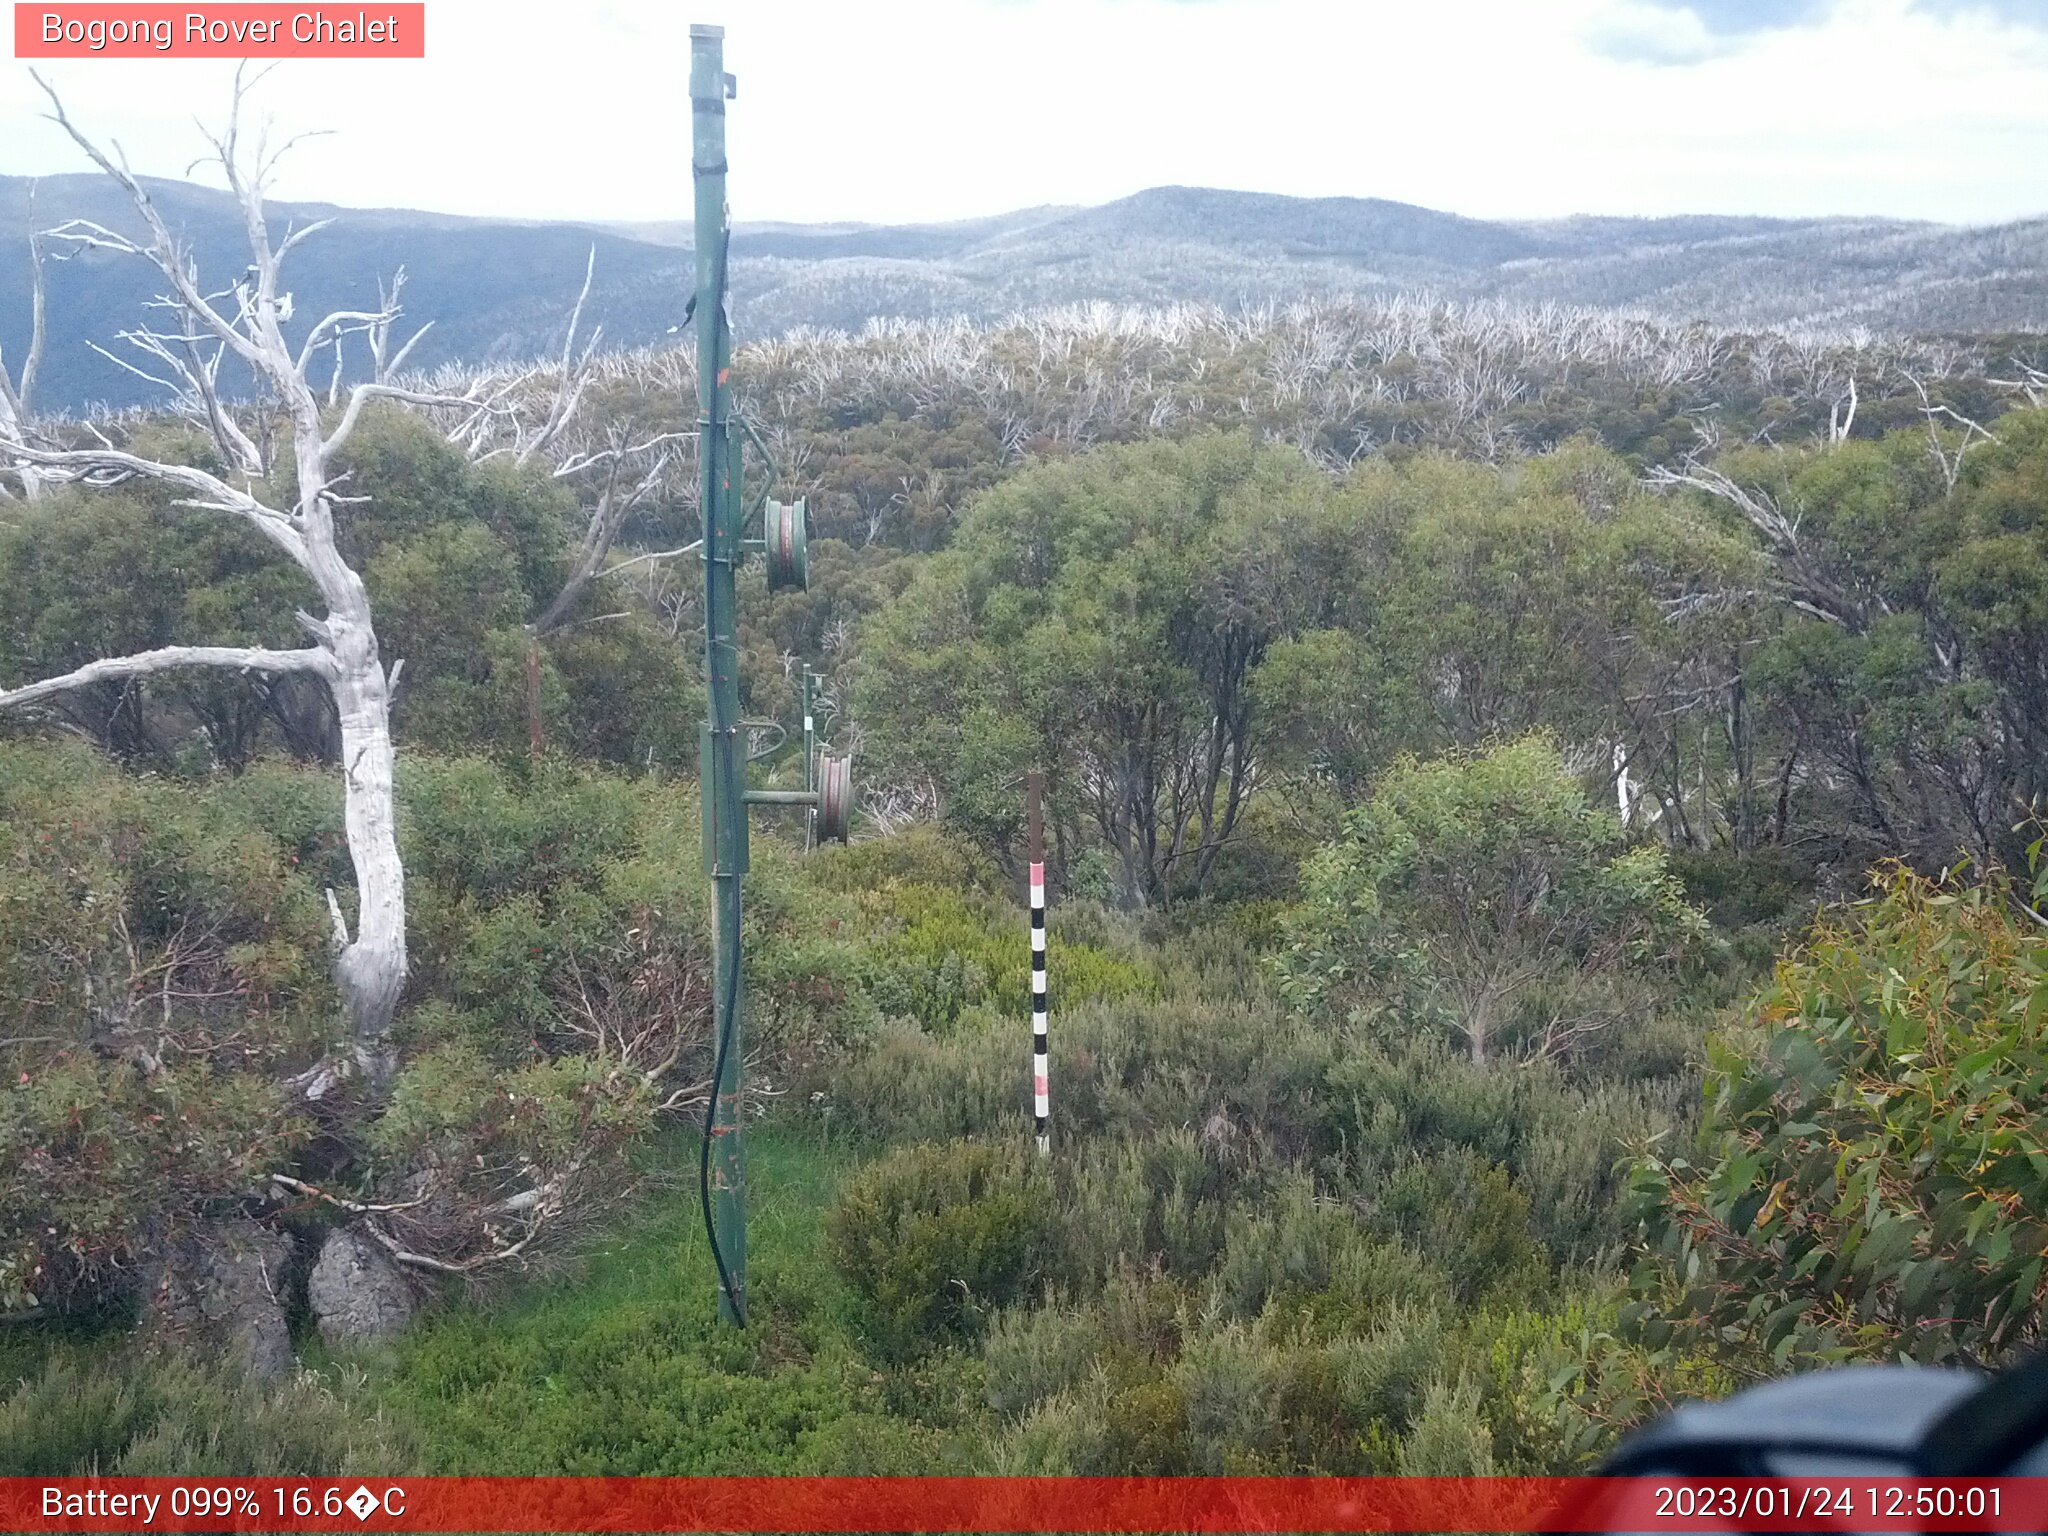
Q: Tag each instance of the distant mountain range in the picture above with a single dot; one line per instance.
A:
(500, 290)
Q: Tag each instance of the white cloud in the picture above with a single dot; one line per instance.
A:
(928, 109)
(2019, 13)
(1640, 31)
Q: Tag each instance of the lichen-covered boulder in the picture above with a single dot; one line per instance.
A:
(220, 1286)
(358, 1295)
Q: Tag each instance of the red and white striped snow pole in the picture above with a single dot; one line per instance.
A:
(1041, 1096)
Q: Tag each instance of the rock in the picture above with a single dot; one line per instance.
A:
(220, 1286)
(358, 1295)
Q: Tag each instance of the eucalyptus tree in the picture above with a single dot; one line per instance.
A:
(1486, 896)
(1103, 618)
(1901, 678)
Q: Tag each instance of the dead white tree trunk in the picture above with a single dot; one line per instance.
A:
(1809, 588)
(17, 394)
(2032, 384)
(1626, 790)
(245, 322)
(1842, 414)
(1950, 461)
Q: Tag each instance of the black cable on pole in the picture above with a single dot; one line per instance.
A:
(732, 996)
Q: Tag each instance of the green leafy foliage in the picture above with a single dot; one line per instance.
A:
(937, 954)
(1483, 896)
(1107, 609)
(623, 1367)
(458, 558)
(1341, 1112)
(1869, 1177)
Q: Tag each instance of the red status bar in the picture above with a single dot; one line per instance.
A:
(989, 1504)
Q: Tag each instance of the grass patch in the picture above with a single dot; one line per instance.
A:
(623, 1368)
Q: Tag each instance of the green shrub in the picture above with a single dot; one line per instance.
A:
(1558, 1140)
(1137, 1202)
(137, 1414)
(1145, 1433)
(909, 1086)
(1484, 898)
(870, 1445)
(1058, 1437)
(1572, 1162)
(74, 1418)
(1386, 1369)
(937, 956)
(1194, 1059)
(161, 969)
(1450, 1438)
(1768, 887)
(919, 855)
(1552, 1385)
(933, 1238)
(1869, 1179)
(1314, 1420)
(938, 952)
(622, 1366)
(1229, 1380)
(1032, 1354)
(1466, 1213)
(1312, 1261)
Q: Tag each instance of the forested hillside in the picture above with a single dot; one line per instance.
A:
(497, 289)
(1547, 910)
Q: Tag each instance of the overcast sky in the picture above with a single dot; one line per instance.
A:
(897, 110)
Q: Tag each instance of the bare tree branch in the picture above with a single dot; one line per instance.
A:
(577, 463)
(1813, 592)
(2032, 383)
(168, 658)
(314, 1191)
(166, 253)
(1951, 463)
(328, 325)
(362, 394)
(654, 556)
(575, 375)
(112, 466)
(614, 506)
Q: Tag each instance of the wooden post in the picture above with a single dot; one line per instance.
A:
(536, 729)
(1041, 1097)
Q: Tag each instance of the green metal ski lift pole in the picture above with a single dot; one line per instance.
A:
(722, 745)
(827, 795)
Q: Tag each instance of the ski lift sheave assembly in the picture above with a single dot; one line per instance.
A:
(827, 795)
(785, 547)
